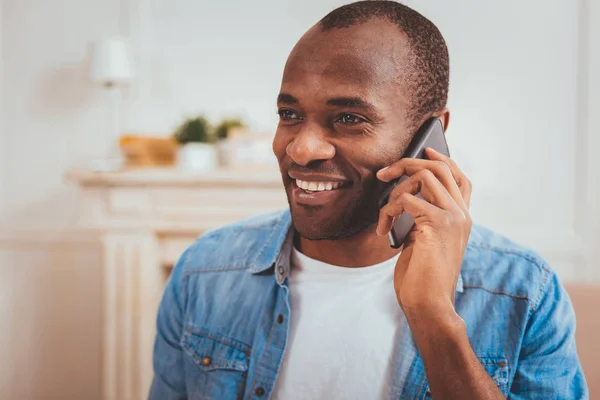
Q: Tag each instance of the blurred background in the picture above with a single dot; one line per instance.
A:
(128, 127)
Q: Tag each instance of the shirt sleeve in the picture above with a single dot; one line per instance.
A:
(169, 375)
(548, 366)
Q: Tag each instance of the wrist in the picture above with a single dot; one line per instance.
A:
(436, 323)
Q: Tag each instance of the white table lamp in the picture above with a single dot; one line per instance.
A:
(112, 68)
(111, 62)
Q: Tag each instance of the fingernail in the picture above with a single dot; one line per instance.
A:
(382, 169)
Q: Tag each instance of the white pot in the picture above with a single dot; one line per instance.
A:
(197, 157)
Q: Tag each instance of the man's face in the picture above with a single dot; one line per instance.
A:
(342, 118)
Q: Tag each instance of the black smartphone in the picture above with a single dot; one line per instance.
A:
(430, 134)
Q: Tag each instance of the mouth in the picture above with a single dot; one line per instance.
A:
(317, 193)
(317, 186)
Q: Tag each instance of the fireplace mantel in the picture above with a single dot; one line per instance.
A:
(146, 219)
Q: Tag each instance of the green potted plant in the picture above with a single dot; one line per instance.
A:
(222, 132)
(197, 150)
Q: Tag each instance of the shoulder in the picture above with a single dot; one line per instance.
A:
(495, 263)
(241, 245)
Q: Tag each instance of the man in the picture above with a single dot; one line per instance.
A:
(313, 303)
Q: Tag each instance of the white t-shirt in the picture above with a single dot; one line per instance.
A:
(342, 332)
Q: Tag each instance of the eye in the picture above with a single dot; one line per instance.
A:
(287, 115)
(349, 119)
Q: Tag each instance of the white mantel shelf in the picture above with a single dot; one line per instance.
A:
(168, 177)
(146, 218)
(168, 200)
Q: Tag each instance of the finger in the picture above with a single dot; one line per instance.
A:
(431, 189)
(387, 216)
(441, 170)
(386, 221)
(414, 206)
(464, 184)
(421, 210)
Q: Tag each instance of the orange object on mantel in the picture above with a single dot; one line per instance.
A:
(147, 151)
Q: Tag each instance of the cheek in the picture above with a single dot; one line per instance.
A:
(280, 143)
(369, 157)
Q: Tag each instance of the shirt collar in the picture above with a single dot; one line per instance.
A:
(273, 249)
(276, 253)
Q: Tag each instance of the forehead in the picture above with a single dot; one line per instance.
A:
(365, 59)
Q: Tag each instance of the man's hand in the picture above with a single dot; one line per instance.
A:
(428, 268)
(427, 271)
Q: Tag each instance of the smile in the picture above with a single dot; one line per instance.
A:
(318, 186)
(317, 193)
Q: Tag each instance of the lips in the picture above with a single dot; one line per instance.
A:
(318, 186)
(314, 188)
(318, 193)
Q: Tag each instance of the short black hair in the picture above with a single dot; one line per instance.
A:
(427, 75)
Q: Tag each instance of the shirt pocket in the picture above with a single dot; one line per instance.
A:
(497, 369)
(215, 366)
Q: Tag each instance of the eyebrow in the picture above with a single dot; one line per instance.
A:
(352, 102)
(285, 98)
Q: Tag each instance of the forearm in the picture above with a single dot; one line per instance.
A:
(453, 370)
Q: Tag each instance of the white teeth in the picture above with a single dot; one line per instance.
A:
(317, 186)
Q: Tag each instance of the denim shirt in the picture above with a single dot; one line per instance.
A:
(223, 321)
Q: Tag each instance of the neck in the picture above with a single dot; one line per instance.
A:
(361, 250)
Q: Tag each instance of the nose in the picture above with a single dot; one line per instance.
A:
(310, 145)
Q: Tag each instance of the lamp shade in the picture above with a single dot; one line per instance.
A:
(111, 62)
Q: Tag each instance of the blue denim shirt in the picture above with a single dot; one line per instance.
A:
(223, 321)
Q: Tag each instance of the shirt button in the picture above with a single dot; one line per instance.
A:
(280, 318)
(280, 269)
(206, 361)
(259, 391)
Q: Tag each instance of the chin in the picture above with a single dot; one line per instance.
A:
(318, 224)
(311, 223)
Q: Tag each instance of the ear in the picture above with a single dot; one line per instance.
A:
(444, 116)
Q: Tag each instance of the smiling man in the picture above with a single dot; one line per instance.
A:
(313, 303)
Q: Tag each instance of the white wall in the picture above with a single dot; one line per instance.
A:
(5, 305)
(53, 117)
(524, 83)
(590, 87)
(2, 144)
(50, 118)
(514, 89)
(50, 320)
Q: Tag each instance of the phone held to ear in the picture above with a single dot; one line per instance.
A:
(430, 134)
